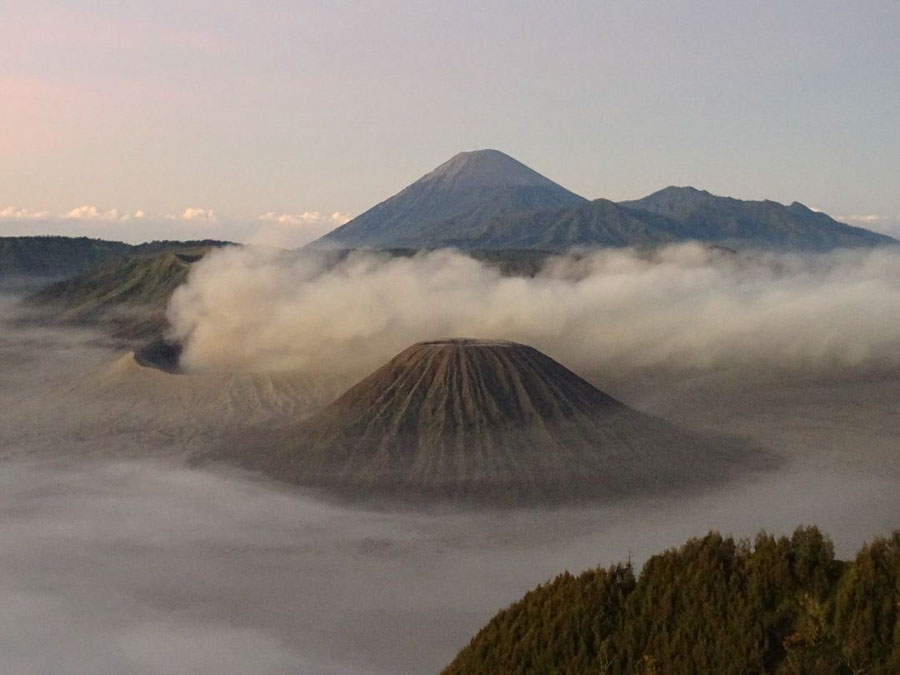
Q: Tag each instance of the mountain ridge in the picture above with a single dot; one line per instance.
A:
(57, 257)
(487, 200)
(742, 223)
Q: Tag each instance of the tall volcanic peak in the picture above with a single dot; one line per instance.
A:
(483, 168)
(486, 421)
(467, 190)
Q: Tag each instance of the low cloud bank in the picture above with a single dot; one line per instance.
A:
(683, 308)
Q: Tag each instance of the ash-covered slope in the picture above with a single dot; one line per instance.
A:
(495, 421)
(463, 192)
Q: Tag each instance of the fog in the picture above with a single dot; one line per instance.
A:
(682, 309)
(117, 556)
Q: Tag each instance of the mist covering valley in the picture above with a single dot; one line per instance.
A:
(135, 559)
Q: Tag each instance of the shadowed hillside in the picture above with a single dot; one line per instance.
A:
(712, 606)
(53, 257)
(753, 224)
(599, 223)
(471, 420)
(128, 296)
(670, 216)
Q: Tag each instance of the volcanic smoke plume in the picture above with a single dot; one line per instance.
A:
(681, 310)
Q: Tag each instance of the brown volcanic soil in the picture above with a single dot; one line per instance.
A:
(495, 421)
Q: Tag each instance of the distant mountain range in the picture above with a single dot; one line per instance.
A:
(52, 257)
(486, 200)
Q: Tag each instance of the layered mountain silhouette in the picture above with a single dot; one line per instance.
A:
(492, 421)
(486, 200)
(703, 216)
(469, 189)
(669, 216)
(56, 257)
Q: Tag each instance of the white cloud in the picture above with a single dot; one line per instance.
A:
(284, 230)
(305, 218)
(196, 215)
(863, 218)
(290, 218)
(16, 213)
(91, 212)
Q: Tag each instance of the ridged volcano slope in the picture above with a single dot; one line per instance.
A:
(486, 421)
(467, 190)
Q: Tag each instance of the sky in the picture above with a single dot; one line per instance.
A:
(276, 121)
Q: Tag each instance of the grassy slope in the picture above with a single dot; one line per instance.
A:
(53, 257)
(130, 295)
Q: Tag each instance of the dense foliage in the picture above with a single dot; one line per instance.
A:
(778, 605)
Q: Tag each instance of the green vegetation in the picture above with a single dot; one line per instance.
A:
(778, 605)
(128, 295)
(52, 257)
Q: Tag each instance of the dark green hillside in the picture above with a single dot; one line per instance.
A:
(778, 605)
(61, 257)
(51, 257)
(130, 295)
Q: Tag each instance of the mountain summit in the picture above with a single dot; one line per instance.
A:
(486, 421)
(463, 192)
(484, 168)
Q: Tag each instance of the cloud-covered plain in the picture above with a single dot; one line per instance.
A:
(685, 308)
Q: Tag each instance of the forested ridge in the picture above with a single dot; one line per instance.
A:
(715, 605)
